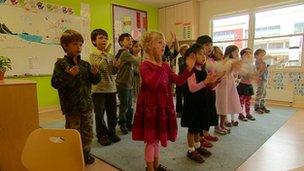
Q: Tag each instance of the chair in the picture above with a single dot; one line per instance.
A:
(53, 150)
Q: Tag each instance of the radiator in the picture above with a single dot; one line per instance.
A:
(280, 95)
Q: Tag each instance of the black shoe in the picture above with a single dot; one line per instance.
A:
(88, 159)
(123, 129)
(265, 110)
(104, 141)
(114, 138)
(129, 127)
(202, 151)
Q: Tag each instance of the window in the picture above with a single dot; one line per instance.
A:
(231, 31)
(277, 29)
(280, 31)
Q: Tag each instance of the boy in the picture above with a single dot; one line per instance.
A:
(180, 66)
(104, 93)
(72, 77)
(124, 82)
(262, 72)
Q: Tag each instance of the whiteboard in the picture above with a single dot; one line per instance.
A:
(32, 38)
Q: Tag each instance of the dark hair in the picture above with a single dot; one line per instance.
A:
(203, 39)
(96, 33)
(213, 52)
(229, 49)
(243, 51)
(122, 37)
(133, 42)
(193, 49)
(69, 36)
(259, 51)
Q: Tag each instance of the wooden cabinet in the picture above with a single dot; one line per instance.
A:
(19, 117)
(181, 19)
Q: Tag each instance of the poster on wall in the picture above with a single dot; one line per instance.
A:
(30, 35)
(128, 20)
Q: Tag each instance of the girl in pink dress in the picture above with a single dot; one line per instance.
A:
(227, 97)
(155, 118)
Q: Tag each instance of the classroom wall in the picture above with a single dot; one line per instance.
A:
(101, 17)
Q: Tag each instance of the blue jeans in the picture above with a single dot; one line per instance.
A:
(125, 107)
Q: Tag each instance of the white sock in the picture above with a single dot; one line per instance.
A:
(232, 117)
(197, 144)
(191, 149)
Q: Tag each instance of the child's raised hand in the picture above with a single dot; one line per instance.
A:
(236, 65)
(108, 48)
(73, 70)
(190, 62)
(211, 77)
(95, 69)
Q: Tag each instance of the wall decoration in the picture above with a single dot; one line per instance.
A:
(127, 20)
(30, 35)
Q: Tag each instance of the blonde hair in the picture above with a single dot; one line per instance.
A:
(148, 37)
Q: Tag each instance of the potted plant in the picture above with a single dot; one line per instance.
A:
(5, 64)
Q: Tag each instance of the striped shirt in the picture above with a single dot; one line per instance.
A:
(105, 62)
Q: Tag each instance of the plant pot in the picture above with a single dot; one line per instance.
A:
(2, 75)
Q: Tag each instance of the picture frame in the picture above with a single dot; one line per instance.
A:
(128, 20)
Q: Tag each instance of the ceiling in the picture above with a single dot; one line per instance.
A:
(161, 3)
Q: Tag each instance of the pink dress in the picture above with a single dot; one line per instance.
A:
(155, 118)
(227, 97)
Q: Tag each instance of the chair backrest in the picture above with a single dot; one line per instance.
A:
(53, 149)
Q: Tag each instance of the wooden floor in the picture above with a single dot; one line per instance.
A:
(282, 151)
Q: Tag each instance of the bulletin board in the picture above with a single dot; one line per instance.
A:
(128, 20)
(30, 35)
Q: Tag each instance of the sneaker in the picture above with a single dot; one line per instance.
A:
(162, 168)
(228, 124)
(104, 141)
(194, 155)
(114, 138)
(259, 111)
(202, 151)
(250, 117)
(220, 131)
(206, 143)
(88, 159)
(242, 117)
(211, 138)
(265, 110)
(235, 123)
(124, 130)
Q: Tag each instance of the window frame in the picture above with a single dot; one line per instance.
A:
(251, 26)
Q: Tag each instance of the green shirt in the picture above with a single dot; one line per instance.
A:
(74, 91)
(125, 72)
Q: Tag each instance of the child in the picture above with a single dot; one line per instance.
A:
(217, 55)
(262, 71)
(196, 114)
(180, 66)
(227, 98)
(206, 42)
(245, 88)
(72, 77)
(104, 93)
(155, 118)
(124, 82)
(136, 51)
